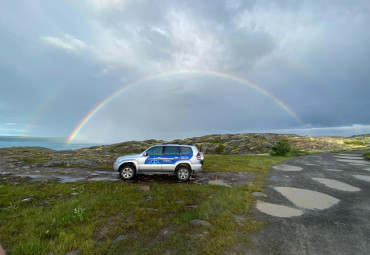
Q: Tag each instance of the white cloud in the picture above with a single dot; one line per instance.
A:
(159, 30)
(232, 4)
(68, 43)
(195, 47)
(103, 72)
(103, 5)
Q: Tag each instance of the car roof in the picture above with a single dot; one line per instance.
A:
(173, 144)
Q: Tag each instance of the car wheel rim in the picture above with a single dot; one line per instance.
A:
(183, 174)
(127, 173)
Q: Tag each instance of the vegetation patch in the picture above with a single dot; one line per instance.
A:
(116, 218)
(367, 155)
(354, 142)
(256, 164)
(54, 221)
(282, 148)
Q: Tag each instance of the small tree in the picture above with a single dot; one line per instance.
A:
(220, 148)
(281, 148)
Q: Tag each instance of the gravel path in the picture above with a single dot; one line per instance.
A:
(317, 204)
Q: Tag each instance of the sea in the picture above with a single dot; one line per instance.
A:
(47, 144)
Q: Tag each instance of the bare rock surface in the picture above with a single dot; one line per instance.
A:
(202, 223)
(11, 167)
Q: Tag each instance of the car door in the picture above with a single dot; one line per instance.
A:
(171, 155)
(153, 160)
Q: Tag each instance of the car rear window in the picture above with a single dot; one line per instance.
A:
(186, 150)
(171, 150)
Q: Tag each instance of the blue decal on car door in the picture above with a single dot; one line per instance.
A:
(153, 160)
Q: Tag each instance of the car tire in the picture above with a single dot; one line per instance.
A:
(127, 172)
(183, 173)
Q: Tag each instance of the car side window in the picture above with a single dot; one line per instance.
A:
(171, 150)
(186, 150)
(155, 151)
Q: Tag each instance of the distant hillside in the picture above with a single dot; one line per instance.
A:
(102, 156)
(246, 143)
(30, 139)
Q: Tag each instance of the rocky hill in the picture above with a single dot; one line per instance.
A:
(103, 156)
(247, 143)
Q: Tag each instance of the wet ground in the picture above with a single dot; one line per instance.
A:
(317, 204)
(11, 167)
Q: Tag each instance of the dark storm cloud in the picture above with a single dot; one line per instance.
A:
(63, 58)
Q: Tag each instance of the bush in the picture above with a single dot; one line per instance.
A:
(354, 142)
(220, 148)
(367, 154)
(281, 148)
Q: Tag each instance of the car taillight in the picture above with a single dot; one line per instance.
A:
(199, 156)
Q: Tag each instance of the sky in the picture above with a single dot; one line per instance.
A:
(120, 70)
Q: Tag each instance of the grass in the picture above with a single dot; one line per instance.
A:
(87, 217)
(257, 164)
(354, 142)
(367, 154)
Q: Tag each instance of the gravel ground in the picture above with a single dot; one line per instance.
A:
(10, 167)
(322, 208)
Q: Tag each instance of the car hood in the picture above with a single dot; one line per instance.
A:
(132, 156)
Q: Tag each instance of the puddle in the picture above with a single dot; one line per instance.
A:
(356, 164)
(218, 182)
(308, 164)
(367, 169)
(103, 179)
(32, 176)
(307, 199)
(105, 172)
(363, 177)
(287, 168)
(334, 170)
(277, 210)
(349, 157)
(64, 179)
(336, 184)
(356, 161)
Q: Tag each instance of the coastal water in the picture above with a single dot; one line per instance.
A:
(46, 144)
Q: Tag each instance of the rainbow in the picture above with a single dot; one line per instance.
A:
(83, 122)
(42, 107)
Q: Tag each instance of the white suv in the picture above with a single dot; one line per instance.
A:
(181, 160)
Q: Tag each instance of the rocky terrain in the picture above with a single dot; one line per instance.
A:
(102, 157)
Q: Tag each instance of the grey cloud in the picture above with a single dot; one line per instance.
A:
(313, 55)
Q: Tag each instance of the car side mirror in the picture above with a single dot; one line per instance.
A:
(145, 154)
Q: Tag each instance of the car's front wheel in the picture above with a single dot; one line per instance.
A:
(127, 172)
(183, 173)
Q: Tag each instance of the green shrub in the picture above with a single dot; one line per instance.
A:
(356, 142)
(220, 148)
(367, 154)
(281, 148)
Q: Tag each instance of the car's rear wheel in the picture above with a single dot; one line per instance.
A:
(127, 172)
(183, 173)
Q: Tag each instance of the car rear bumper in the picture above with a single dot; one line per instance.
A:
(197, 168)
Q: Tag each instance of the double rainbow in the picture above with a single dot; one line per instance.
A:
(232, 77)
